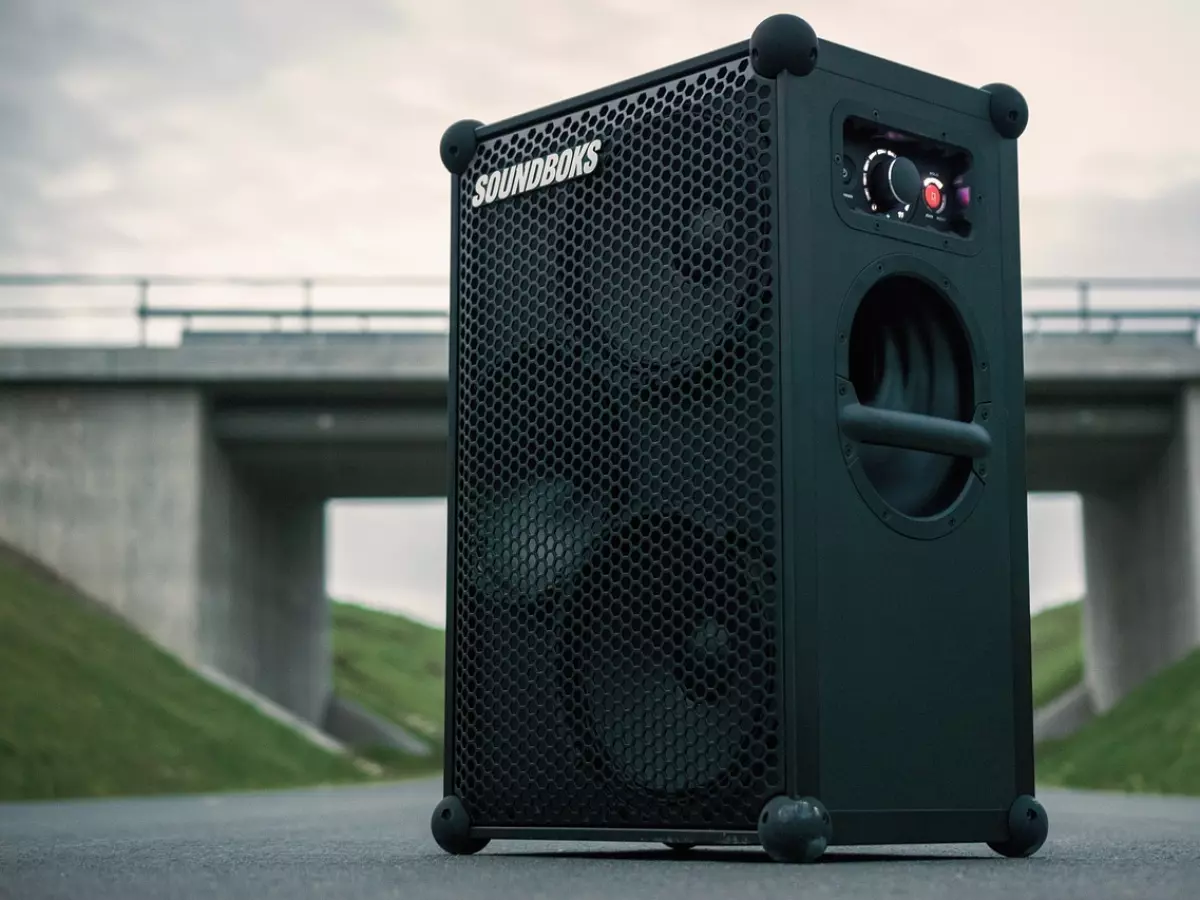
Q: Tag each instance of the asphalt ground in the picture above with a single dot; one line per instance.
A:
(374, 842)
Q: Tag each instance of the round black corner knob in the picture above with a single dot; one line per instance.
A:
(794, 829)
(1028, 826)
(783, 43)
(458, 145)
(451, 826)
(1008, 110)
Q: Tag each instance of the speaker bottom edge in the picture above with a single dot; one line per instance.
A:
(631, 835)
(850, 828)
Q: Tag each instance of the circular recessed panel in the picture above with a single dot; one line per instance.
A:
(908, 348)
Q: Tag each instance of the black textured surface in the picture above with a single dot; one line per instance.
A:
(1008, 110)
(374, 843)
(794, 829)
(1029, 826)
(458, 145)
(615, 570)
(451, 828)
(784, 43)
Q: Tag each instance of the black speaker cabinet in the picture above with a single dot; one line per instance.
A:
(737, 511)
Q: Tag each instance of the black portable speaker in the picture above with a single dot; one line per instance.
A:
(737, 511)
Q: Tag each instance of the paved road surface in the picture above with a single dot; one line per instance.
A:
(373, 842)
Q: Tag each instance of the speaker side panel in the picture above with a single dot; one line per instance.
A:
(1014, 393)
(915, 617)
(802, 660)
(451, 495)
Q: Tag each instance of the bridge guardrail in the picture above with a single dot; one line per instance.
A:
(135, 311)
(1086, 317)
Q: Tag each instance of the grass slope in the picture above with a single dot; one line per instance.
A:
(1057, 651)
(391, 665)
(90, 708)
(1150, 742)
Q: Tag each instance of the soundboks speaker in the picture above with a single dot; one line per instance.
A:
(737, 522)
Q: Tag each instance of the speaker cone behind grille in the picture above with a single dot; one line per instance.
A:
(670, 682)
(552, 453)
(667, 292)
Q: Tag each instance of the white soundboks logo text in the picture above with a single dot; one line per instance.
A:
(553, 168)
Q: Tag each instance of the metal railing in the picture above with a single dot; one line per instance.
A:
(1086, 317)
(139, 308)
(135, 306)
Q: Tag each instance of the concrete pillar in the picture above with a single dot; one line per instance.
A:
(293, 645)
(1142, 562)
(264, 616)
(126, 493)
(101, 485)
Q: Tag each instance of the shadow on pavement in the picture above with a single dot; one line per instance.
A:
(749, 855)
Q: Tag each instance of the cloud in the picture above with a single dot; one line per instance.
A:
(1103, 235)
(153, 122)
(301, 136)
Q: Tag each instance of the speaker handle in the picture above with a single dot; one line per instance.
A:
(911, 431)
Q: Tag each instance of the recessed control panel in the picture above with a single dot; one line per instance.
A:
(908, 181)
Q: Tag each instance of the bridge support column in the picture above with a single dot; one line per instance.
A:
(264, 617)
(1142, 563)
(127, 494)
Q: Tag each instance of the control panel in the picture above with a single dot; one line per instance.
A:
(904, 177)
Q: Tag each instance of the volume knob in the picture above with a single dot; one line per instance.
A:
(893, 181)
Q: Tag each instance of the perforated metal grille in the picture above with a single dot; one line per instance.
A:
(615, 621)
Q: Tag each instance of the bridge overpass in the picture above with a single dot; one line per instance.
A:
(185, 485)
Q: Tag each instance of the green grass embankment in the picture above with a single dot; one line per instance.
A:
(88, 707)
(395, 668)
(1057, 651)
(1149, 742)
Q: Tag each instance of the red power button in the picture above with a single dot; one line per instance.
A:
(933, 196)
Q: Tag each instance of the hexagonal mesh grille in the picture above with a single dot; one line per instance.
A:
(615, 620)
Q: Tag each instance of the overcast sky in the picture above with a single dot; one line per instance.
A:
(300, 136)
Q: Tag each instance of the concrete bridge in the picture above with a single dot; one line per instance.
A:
(186, 485)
